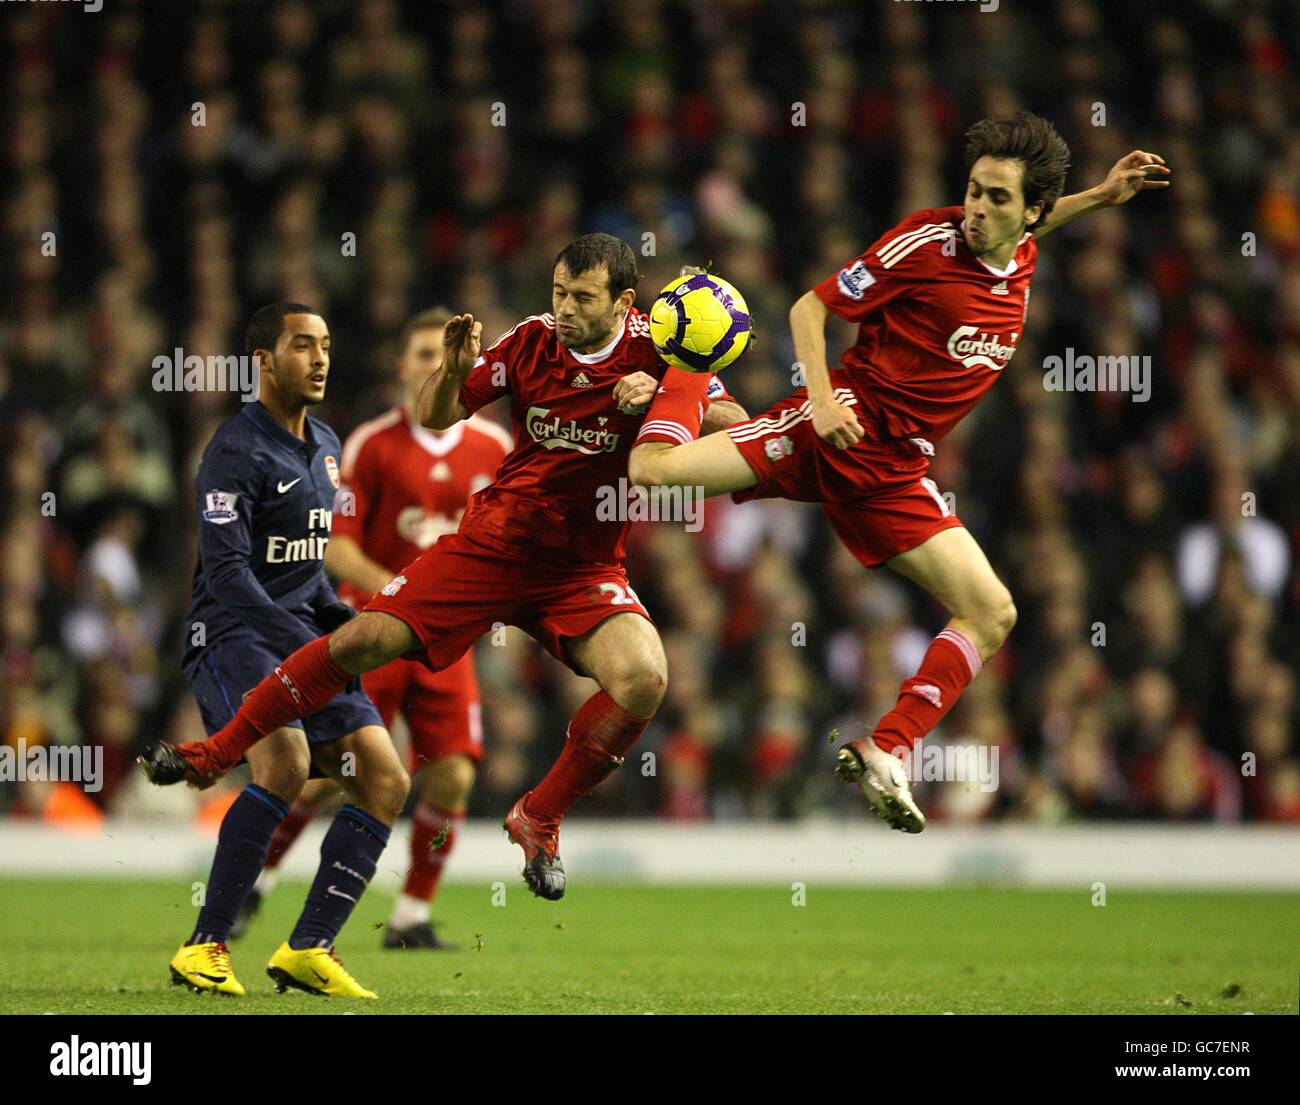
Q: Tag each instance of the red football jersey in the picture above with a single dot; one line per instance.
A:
(937, 324)
(571, 441)
(410, 486)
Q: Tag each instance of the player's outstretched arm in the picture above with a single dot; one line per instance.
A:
(833, 421)
(1131, 174)
(438, 405)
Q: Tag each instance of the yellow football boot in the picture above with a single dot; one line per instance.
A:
(205, 968)
(315, 970)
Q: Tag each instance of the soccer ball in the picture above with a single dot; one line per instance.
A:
(700, 323)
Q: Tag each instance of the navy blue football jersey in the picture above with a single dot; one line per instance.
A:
(265, 502)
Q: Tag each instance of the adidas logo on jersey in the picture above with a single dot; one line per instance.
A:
(1001, 288)
(582, 380)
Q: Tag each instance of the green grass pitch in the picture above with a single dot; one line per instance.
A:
(80, 946)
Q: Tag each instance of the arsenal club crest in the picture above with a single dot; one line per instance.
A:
(332, 470)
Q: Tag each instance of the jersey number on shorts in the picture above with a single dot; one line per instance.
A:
(623, 596)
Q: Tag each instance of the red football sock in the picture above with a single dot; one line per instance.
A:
(950, 663)
(678, 409)
(427, 824)
(600, 735)
(300, 686)
(289, 830)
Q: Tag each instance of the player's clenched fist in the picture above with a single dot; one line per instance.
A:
(836, 423)
(633, 392)
(462, 340)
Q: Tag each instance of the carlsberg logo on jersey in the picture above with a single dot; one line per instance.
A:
(423, 527)
(980, 350)
(555, 433)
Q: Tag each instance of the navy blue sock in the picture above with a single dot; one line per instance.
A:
(245, 835)
(349, 855)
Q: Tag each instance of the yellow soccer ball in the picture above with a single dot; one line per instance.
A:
(700, 323)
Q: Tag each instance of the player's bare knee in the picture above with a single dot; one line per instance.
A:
(399, 787)
(285, 785)
(997, 620)
(641, 690)
(384, 789)
(448, 781)
(283, 776)
(1004, 618)
(458, 773)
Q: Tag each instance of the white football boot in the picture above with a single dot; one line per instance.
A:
(883, 779)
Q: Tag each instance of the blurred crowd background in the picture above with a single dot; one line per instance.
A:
(1152, 548)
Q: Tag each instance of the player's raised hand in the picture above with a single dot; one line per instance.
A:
(462, 341)
(1132, 174)
(836, 423)
(635, 391)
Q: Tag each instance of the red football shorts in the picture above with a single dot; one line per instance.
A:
(876, 494)
(459, 590)
(441, 708)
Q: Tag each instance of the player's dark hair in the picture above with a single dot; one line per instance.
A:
(435, 318)
(267, 324)
(1032, 141)
(591, 251)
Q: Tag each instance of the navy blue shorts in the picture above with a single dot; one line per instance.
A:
(237, 663)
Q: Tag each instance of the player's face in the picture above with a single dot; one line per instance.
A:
(421, 357)
(586, 315)
(300, 362)
(996, 216)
